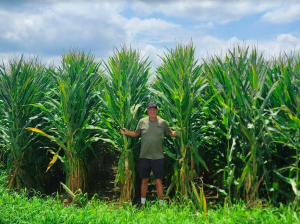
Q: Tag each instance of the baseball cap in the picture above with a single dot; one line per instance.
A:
(152, 104)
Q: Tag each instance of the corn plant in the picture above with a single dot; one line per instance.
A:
(200, 198)
(22, 84)
(123, 103)
(70, 108)
(178, 87)
(285, 120)
(245, 98)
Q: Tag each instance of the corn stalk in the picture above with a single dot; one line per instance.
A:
(286, 119)
(244, 97)
(178, 87)
(22, 84)
(123, 103)
(70, 108)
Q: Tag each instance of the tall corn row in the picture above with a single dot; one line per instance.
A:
(22, 84)
(70, 108)
(245, 98)
(124, 102)
(257, 101)
(178, 87)
(286, 120)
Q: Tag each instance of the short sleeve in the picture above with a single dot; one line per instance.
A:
(138, 128)
(167, 128)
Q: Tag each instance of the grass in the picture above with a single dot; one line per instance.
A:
(18, 207)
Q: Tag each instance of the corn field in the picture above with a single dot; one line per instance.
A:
(240, 111)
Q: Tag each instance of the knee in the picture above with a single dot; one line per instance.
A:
(158, 182)
(145, 181)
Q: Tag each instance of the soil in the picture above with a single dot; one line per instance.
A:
(102, 178)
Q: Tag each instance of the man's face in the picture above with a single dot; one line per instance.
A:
(152, 112)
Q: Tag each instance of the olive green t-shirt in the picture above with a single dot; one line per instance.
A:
(152, 133)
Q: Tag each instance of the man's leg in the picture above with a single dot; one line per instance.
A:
(144, 175)
(158, 171)
(159, 188)
(144, 187)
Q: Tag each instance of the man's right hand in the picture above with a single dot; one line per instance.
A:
(123, 131)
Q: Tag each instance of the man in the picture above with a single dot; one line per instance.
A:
(152, 130)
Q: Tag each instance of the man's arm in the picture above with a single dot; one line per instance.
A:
(133, 134)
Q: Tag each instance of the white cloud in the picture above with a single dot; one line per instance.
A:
(208, 46)
(150, 30)
(50, 29)
(153, 53)
(151, 26)
(284, 14)
(217, 11)
(287, 38)
(96, 26)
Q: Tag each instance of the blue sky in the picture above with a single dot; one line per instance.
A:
(48, 28)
